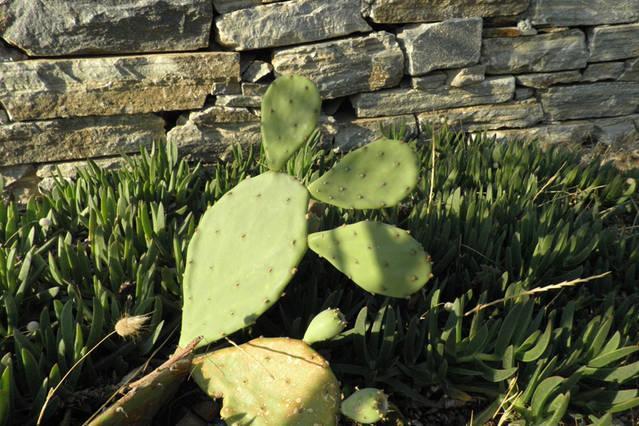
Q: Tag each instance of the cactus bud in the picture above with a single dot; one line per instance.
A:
(366, 406)
(326, 325)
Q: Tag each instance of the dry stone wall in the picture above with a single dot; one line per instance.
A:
(92, 78)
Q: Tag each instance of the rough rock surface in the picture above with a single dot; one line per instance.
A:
(595, 100)
(609, 43)
(355, 133)
(603, 71)
(254, 89)
(239, 101)
(226, 6)
(454, 43)
(547, 79)
(487, 117)
(541, 53)
(112, 85)
(583, 12)
(523, 93)
(74, 138)
(631, 71)
(429, 81)
(8, 53)
(408, 101)
(401, 11)
(287, 23)
(61, 27)
(466, 76)
(208, 134)
(256, 71)
(348, 66)
(610, 131)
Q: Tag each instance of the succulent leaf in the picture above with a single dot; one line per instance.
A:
(380, 258)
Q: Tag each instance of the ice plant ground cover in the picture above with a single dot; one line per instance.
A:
(504, 327)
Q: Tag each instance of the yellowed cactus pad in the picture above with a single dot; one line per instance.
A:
(270, 382)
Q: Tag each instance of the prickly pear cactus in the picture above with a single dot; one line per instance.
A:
(243, 254)
(274, 381)
(376, 175)
(380, 258)
(366, 406)
(324, 326)
(290, 113)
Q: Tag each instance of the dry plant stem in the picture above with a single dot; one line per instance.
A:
(538, 290)
(432, 174)
(175, 362)
(73, 367)
(128, 381)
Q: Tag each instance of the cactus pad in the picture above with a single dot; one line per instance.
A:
(376, 175)
(290, 113)
(380, 258)
(366, 406)
(274, 381)
(242, 256)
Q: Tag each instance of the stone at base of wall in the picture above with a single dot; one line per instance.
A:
(609, 131)
(76, 138)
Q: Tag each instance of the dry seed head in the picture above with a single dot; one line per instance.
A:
(131, 326)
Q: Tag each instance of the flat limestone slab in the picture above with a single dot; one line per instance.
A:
(487, 117)
(77, 138)
(404, 11)
(454, 43)
(288, 23)
(595, 100)
(583, 12)
(71, 27)
(207, 134)
(409, 101)
(613, 42)
(226, 6)
(547, 79)
(347, 66)
(563, 50)
(40, 89)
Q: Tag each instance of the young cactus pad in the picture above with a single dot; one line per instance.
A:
(376, 175)
(366, 406)
(242, 255)
(290, 113)
(276, 381)
(326, 325)
(380, 258)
